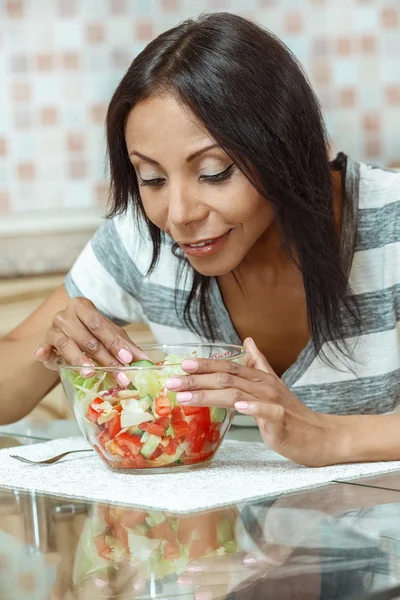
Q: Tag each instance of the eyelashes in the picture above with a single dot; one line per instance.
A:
(218, 177)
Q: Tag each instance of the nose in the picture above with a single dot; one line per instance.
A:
(184, 207)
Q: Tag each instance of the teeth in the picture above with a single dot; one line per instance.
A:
(200, 245)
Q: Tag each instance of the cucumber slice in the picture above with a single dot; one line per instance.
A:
(151, 443)
(217, 414)
(224, 531)
(146, 402)
(142, 363)
(155, 517)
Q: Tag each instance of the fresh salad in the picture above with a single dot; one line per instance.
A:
(144, 426)
(159, 544)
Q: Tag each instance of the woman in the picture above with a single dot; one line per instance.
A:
(229, 222)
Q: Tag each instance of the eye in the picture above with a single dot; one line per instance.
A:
(157, 182)
(219, 176)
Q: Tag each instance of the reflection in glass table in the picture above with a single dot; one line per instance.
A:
(334, 542)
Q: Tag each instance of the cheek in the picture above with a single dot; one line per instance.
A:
(155, 211)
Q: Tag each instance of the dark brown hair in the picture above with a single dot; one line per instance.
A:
(254, 99)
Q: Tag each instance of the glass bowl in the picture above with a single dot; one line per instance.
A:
(142, 427)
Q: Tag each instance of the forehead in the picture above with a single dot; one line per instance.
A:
(161, 119)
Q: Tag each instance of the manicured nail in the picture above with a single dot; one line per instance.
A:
(125, 356)
(36, 350)
(194, 567)
(184, 397)
(100, 583)
(203, 594)
(189, 365)
(249, 560)
(88, 371)
(241, 405)
(184, 580)
(123, 379)
(173, 383)
(139, 584)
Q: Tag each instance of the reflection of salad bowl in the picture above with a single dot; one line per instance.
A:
(142, 426)
(118, 543)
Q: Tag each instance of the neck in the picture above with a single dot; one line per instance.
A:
(270, 252)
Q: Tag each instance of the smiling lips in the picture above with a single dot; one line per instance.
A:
(206, 247)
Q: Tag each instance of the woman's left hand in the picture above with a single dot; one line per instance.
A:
(286, 424)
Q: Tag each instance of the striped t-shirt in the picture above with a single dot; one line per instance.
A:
(112, 272)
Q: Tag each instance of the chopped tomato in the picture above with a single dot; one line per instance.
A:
(121, 534)
(192, 460)
(157, 452)
(181, 428)
(193, 410)
(114, 426)
(104, 438)
(198, 549)
(103, 549)
(162, 532)
(171, 448)
(130, 444)
(214, 433)
(153, 428)
(94, 411)
(177, 415)
(163, 406)
(163, 422)
(171, 551)
(129, 518)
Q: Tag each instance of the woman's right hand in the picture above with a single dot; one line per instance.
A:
(81, 335)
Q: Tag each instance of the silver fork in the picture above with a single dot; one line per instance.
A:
(47, 461)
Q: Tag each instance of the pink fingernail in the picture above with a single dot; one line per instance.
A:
(249, 560)
(174, 383)
(100, 583)
(88, 371)
(123, 379)
(125, 356)
(194, 567)
(35, 351)
(241, 405)
(184, 580)
(184, 397)
(189, 365)
(203, 594)
(139, 584)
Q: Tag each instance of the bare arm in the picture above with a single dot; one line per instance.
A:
(23, 380)
(60, 327)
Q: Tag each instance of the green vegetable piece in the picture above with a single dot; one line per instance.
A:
(231, 547)
(146, 402)
(142, 363)
(224, 531)
(150, 445)
(170, 431)
(217, 414)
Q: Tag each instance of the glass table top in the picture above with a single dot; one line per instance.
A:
(340, 541)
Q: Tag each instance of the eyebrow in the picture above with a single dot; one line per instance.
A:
(189, 158)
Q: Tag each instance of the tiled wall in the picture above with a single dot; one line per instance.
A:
(60, 61)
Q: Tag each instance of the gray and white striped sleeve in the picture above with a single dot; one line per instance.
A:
(105, 273)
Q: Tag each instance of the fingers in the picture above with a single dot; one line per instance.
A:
(257, 360)
(48, 356)
(111, 336)
(82, 336)
(70, 333)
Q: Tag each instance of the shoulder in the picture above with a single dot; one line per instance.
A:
(378, 187)
(128, 237)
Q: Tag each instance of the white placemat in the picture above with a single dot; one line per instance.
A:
(241, 472)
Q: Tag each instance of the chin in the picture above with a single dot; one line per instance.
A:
(211, 267)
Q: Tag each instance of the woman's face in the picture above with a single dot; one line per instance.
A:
(191, 189)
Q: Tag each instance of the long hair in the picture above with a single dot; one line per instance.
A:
(251, 94)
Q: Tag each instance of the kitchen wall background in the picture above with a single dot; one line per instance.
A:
(60, 61)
